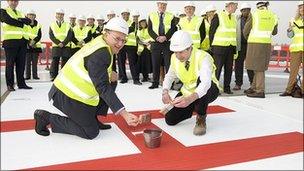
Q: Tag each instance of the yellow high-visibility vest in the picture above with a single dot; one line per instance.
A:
(154, 17)
(144, 36)
(10, 32)
(205, 45)
(189, 77)
(263, 23)
(33, 33)
(225, 34)
(192, 27)
(297, 41)
(74, 80)
(131, 41)
(80, 34)
(60, 33)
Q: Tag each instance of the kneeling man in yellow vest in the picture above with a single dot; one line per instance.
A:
(195, 69)
(84, 88)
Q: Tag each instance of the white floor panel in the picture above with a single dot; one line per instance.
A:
(26, 149)
(286, 162)
(244, 123)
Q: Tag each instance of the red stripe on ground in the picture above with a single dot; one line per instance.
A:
(172, 155)
(19, 125)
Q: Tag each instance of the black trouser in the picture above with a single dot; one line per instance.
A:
(145, 63)
(121, 60)
(15, 55)
(176, 115)
(159, 52)
(81, 119)
(31, 60)
(239, 67)
(65, 55)
(133, 62)
(224, 59)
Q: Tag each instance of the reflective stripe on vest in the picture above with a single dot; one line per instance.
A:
(154, 17)
(189, 77)
(60, 33)
(205, 45)
(263, 23)
(297, 41)
(10, 32)
(32, 33)
(74, 80)
(80, 34)
(225, 34)
(192, 28)
(131, 41)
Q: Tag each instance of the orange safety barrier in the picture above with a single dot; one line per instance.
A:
(280, 57)
(46, 54)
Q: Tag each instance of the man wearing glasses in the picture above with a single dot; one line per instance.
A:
(83, 89)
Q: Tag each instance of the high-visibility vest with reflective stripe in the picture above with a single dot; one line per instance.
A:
(190, 77)
(10, 32)
(131, 41)
(192, 27)
(154, 17)
(33, 33)
(143, 36)
(74, 80)
(225, 34)
(80, 34)
(297, 41)
(263, 23)
(60, 33)
(205, 45)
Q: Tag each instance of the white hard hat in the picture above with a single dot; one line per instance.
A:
(261, 3)
(189, 4)
(180, 41)
(230, 2)
(91, 16)
(135, 13)
(59, 11)
(210, 8)
(81, 17)
(300, 3)
(100, 17)
(203, 12)
(245, 5)
(72, 16)
(118, 24)
(141, 19)
(109, 12)
(31, 12)
(163, 2)
(126, 10)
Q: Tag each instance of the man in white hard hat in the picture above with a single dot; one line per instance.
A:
(210, 12)
(223, 42)
(82, 34)
(72, 18)
(110, 14)
(100, 24)
(83, 88)
(196, 71)
(161, 27)
(193, 24)
(60, 38)
(34, 46)
(259, 29)
(241, 47)
(13, 20)
(91, 24)
(122, 55)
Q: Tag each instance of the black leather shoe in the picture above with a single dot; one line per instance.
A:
(228, 91)
(10, 88)
(256, 95)
(123, 81)
(249, 91)
(102, 126)
(36, 78)
(42, 120)
(25, 87)
(153, 86)
(285, 94)
(137, 82)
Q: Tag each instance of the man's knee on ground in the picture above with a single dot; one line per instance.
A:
(169, 121)
(91, 133)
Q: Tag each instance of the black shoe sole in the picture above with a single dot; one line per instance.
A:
(45, 132)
